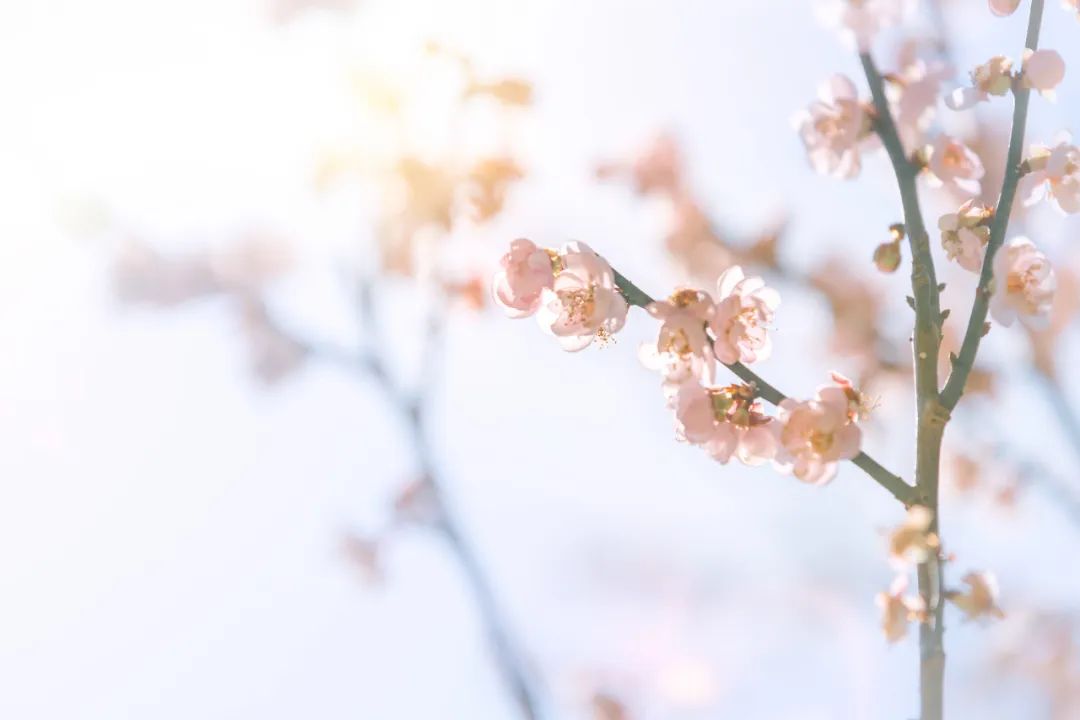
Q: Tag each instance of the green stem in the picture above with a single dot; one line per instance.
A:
(891, 482)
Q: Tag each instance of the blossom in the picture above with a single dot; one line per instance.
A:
(658, 169)
(1024, 284)
(1054, 172)
(994, 77)
(1001, 8)
(682, 349)
(965, 233)
(912, 541)
(1043, 71)
(954, 164)
(832, 127)
(816, 434)
(726, 421)
(526, 272)
(744, 308)
(897, 610)
(980, 599)
(583, 303)
(914, 95)
(1072, 6)
(859, 21)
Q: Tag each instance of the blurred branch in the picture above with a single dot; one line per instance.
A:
(1058, 399)
(893, 483)
(412, 409)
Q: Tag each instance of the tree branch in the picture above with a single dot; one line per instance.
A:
(931, 417)
(976, 327)
(891, 482)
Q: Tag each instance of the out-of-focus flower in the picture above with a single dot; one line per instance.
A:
(726, 421)
(695, 244)
(513, 92)
(1072, 6)
(965, 233)
(428, 197)
(363, 553)
(526, 272)
(1024, 284)
(583, 303)
(682, 349)
(1055, 172)
(1001, 8)
(141, 274)
(911, 542)
(817, 434)
(1043, 71)
(471, 292)
(952, 164)
(832, 127)
(898, 610)
(994, 77)
(274, 355)
(487, 184)
(744, 309)
(979, 601)
(914, 94)
(1066, 306)
(608, 707)
(657, 169)
(859, 21)
(855, 305)
(283, 11)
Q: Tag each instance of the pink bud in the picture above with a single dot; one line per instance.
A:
(1001, 8)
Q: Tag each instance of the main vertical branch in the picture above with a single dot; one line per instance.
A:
(931, 417)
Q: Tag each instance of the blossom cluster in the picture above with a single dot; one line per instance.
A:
(574, 295)
(914, 542)
(572, 292)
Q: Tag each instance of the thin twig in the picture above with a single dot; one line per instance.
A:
(976, 327)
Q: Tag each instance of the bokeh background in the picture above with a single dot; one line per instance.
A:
(197, 515)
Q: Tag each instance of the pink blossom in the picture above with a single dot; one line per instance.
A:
(816, 434)
(526, 272)
(739, 322)
(979, 601)
(682, 349)
(994, 77)
(832, 127)
(912, 542)
(898, 610)
(955, 165)
(965, 233)
(1054, 172)
(859, 21)
(916, 99)
(1043, 71)
(583, 302)
(726, 421)
(1072, 6)
(1024, 284)
(1001, 8)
